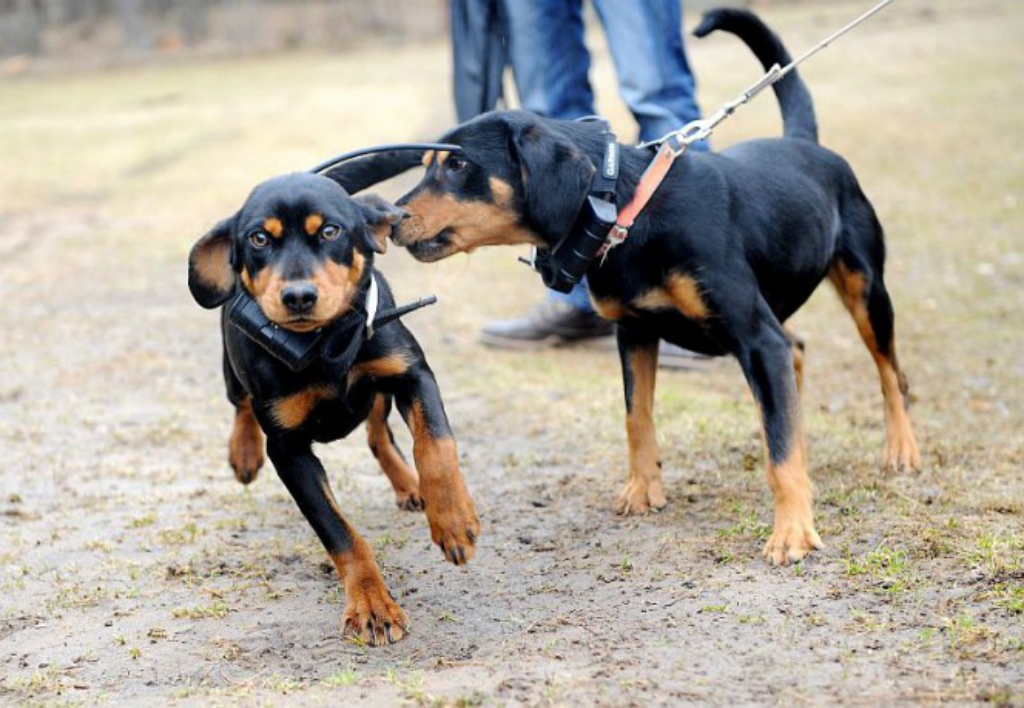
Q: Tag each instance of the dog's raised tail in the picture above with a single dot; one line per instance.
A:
(798, 120)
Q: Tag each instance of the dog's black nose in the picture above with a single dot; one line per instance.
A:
(299, 297)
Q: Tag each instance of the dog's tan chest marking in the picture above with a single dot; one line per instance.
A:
(609, 308)
(680, 292)
(290, 412)
(382, 368)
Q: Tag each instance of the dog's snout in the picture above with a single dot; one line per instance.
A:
(300, 297)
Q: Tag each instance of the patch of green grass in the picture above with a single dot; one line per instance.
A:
(1011, 598)
(862, 620)
(49, 680)
(888, 567)
(410, 686)
(215, 610)
(345, 677)
(996, 553)
(179, 537)
(715, 609)
(748, 526)
(282, 684)
(142, 521)
(964, 634)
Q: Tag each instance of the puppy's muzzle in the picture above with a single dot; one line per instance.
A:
(300, 298)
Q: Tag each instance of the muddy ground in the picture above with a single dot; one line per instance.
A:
(134, 569)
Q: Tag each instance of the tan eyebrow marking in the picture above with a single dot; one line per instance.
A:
(313, 223)
(273, 226)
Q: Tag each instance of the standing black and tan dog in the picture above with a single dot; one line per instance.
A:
(728, 248)
(302, 249)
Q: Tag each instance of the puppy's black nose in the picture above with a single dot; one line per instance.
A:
(299, 298)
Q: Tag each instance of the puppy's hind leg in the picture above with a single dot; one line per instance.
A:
(765, 355)
(857, 277)
(403, 479)
(798, 349)
(245, 447)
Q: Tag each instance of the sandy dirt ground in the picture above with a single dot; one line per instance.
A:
(134, 569)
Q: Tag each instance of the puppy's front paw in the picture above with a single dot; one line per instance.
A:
(371, 614)
(409, 499)
(245, 450)
(454, 526)
(793, 537)
(640, 496)
(901, 451)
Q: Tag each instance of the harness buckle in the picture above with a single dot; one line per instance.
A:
(616, 235)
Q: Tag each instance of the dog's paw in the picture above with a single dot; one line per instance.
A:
(409, 499)
(245, 454)
(792, 538)
(454, 526)
(640, 496)
(901, 452)
(372, 615)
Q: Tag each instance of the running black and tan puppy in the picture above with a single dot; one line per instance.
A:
(300, 253)
(728, 248)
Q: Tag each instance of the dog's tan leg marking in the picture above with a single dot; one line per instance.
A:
(245, 448)
(793, 534)
(403, 479)
(454, 525)
(371, 614)
(901, 451)
(643, 491)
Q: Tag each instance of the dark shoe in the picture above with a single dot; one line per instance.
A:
(671, 356)
(550, 324)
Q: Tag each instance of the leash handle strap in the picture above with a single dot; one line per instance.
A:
(649, 182)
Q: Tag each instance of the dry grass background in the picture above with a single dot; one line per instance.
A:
(134, 569)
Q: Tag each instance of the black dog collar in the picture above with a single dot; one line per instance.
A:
(564, 265)
(337, 344)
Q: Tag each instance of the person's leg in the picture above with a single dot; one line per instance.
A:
(646, 43)
(551, 63)
(549, 60)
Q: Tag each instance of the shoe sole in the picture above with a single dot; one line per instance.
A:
(553, 341)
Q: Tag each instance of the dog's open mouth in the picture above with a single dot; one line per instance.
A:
(432, 249)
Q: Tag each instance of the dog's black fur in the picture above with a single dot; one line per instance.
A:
(728, 248)
(303, 249)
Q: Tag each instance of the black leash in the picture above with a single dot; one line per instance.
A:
(393, 147)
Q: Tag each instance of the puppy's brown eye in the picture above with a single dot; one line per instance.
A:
(455, 164)
(259, 239)
(330, 232)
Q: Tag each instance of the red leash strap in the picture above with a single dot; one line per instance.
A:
(649, 182)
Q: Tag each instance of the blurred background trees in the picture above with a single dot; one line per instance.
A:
(108, 31)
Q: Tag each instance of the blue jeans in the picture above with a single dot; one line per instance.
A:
(551, 65)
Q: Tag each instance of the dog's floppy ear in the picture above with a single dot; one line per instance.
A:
(556, 177)
(380, 215)
(211, 273)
